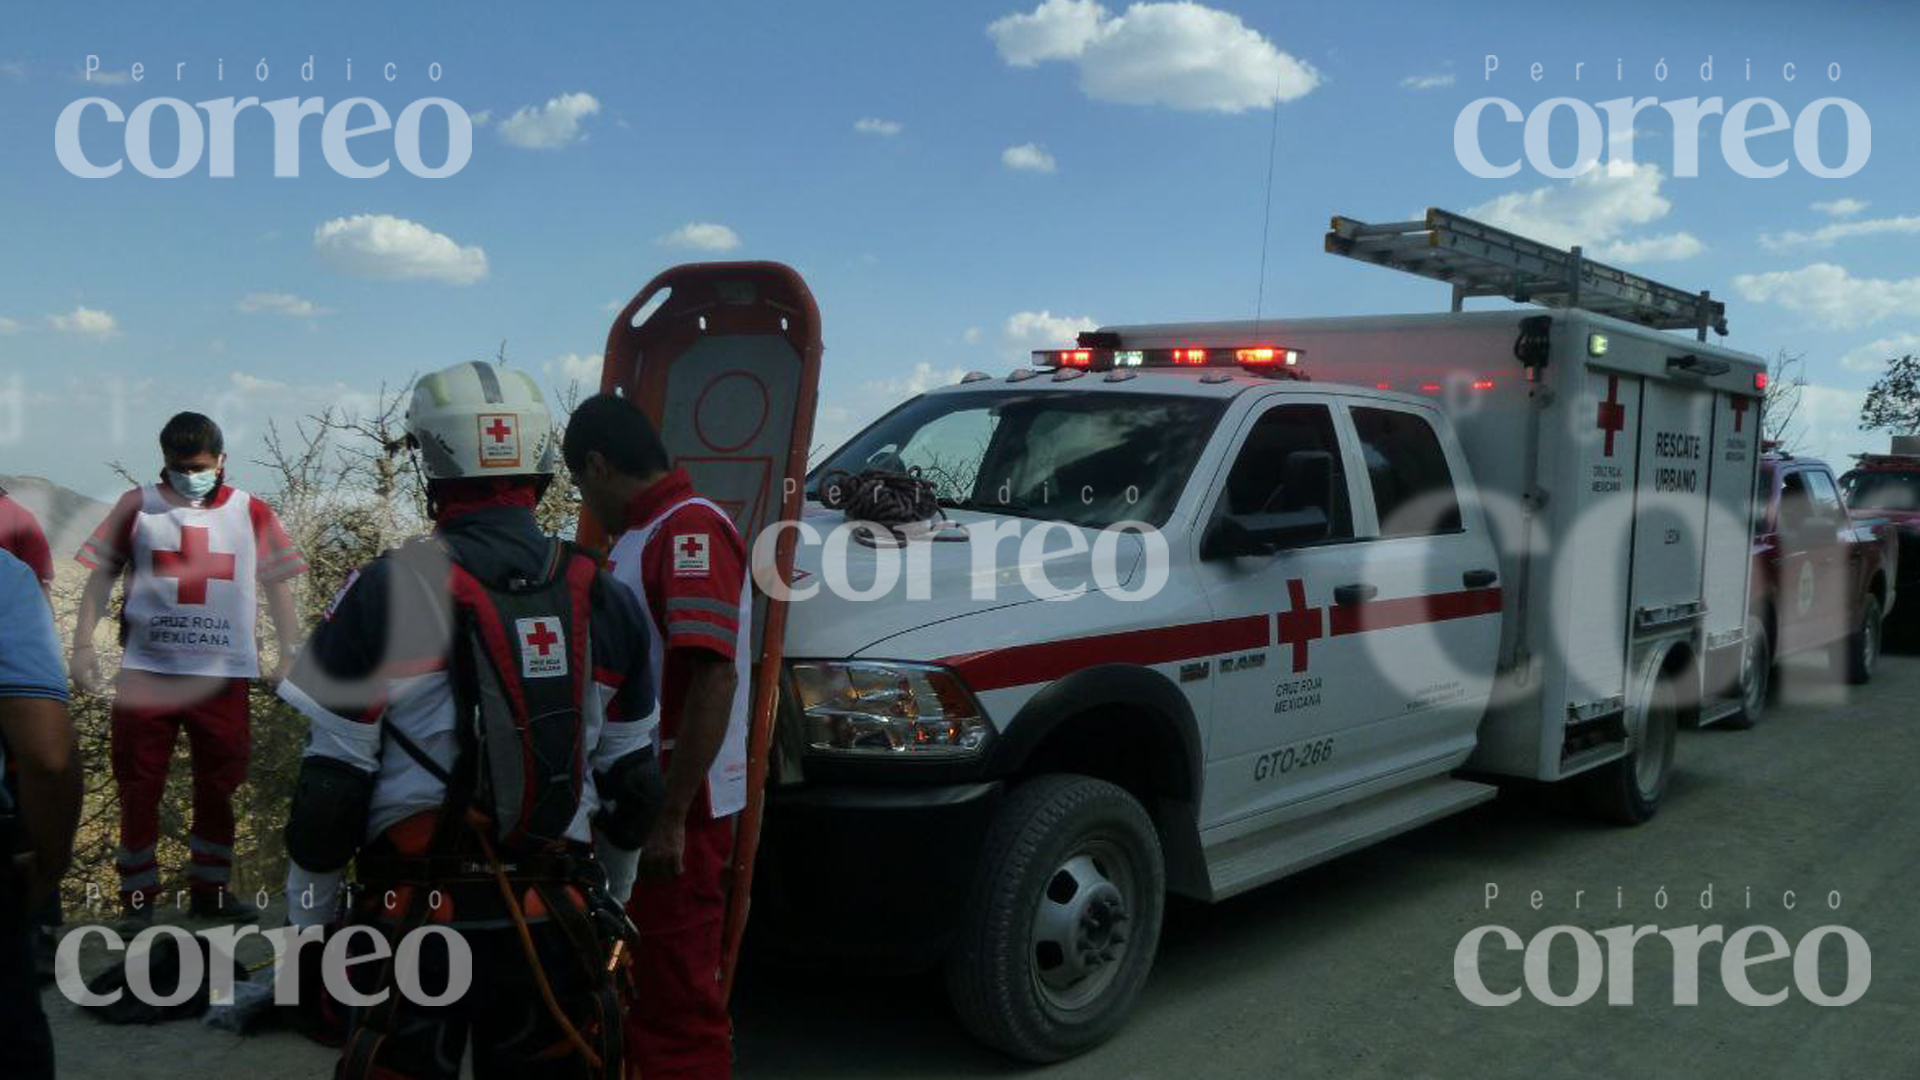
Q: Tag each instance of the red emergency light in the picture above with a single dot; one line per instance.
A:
(1483, 384)
(1759, 380)
(1270, 359)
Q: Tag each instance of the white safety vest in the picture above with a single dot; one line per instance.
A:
(191, 601)
(727, 779)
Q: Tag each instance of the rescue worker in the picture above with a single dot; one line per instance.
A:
(682, 558)
(192, 550)
(20, 534)
(481, 749)
(38, 817)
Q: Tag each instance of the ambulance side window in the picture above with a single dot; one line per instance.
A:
(1257, 483)
(1413, 491)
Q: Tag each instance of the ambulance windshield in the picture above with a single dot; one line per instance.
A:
(1087, 459)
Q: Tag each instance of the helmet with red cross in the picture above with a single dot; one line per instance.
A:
(481, 419)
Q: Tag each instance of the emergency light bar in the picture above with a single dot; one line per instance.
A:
(1273, 358)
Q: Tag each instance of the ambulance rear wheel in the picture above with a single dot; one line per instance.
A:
(1629, 790)
(1063, 921)
(1863, 645)
(1756, 676)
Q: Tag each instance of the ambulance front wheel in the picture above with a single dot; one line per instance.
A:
(1629, 790)
(1064, 917)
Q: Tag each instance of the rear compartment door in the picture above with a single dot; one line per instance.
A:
(1596, 542)
(1670, 504)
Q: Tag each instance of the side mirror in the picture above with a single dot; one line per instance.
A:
(1263, 534)
(1301, 519)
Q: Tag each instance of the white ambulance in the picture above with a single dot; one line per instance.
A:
(1372, 563)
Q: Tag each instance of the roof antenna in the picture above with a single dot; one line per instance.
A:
(1266, 219)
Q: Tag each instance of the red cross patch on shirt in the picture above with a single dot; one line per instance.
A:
(543, 647)
(691, 555)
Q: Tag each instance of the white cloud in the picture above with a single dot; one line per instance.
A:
(1830, 295)
(8, 326)
(873, 125)
(103, 78)
(279, 303)
(1842, 230)
(14, 69)
(86, 322)
(921, 379)
(575, 369)
(550, 126)
(702, 236)
(1666, 247)
(1841, 207)
(1827, 425)
(971, 335)
(481, 118)
(1183, 54)
(1594, 210)
(384, 246)
(1873, 356)
(1044, 329)
(1427, 82)
(1027, 157)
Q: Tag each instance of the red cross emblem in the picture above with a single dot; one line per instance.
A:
(193, 565)
(1740, 405)
(692, 546)
(1613, 415)
(499, 429)
(543, 648)
(543, 638)
(1300, 623)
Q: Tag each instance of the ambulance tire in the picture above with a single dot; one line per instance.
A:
(1070, 863)
(1862, 647)
(1629, 790)
(1756, 678)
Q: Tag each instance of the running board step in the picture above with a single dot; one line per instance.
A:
(1293, 846)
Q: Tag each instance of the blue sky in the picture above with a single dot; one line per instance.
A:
(1105, 163)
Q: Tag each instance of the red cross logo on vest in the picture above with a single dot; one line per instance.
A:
(1613, 415)
(1740, 405)
(1300, 623)
(193, 565)
(543, 650)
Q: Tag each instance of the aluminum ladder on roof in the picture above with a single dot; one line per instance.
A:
(1480, 260)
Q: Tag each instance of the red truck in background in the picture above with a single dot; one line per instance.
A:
(1822, 578)
(1887, 486)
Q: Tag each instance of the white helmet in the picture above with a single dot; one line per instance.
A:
(481, 419)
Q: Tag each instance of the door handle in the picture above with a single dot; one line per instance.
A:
(1478, 579)
(1354, 594)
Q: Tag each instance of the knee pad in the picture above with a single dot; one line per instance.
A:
(329, 816)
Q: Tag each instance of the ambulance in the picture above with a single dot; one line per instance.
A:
(1307, 584)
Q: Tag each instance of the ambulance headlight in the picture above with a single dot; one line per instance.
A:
(869, 708)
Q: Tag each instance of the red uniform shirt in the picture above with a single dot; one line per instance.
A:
(692, 589)
(21, 535)
(689, 567)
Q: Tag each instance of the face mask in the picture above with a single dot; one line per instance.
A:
(193, 485)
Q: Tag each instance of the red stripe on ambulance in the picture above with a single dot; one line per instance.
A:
(1024, 665)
